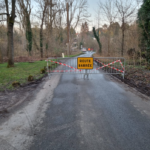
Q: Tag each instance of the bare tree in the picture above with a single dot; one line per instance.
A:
(59, 20)
(77, 14)
(11, 15)
(54, 8)
(43, 6)
(46, 14)
(24, 13)
(126, 10)
(108, 10)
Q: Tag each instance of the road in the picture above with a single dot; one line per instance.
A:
(96, 114)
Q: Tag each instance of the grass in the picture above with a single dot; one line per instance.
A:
(19, 73)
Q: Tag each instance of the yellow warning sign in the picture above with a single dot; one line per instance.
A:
(85, 63)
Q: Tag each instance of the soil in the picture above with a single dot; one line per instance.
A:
(137, 78)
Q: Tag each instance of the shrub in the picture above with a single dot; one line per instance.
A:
(15, 84)
(30, 78)
(43, 71)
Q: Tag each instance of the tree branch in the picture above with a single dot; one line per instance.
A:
(4, 14)
(6, 3)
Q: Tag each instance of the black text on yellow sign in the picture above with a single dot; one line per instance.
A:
(85, 63)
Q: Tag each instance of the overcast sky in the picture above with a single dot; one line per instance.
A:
(92, 9)
(92, 4)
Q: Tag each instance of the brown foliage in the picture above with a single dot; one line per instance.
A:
(30, 78)
(15, 84)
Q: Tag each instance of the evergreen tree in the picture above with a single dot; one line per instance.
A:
(96, 35)
(144, 24)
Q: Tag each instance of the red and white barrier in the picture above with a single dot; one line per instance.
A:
(63, 64)
(108, 65)
(77, 70)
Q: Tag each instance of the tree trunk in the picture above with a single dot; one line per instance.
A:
(41, 41)
(109, 42)
(108, 46)
(7, 37)
(122, 45)
(28, 33)
(46, 49)
(10, 45)
(1, 56)
(41, 31)
(10, 23)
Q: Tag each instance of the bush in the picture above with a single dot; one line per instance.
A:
(15, 84)
(43, 71)
(148, 67)
(45, 68)
(30, 78)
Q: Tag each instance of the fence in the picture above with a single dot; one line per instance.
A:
(105, 65)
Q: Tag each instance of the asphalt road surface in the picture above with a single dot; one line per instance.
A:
(94, 114)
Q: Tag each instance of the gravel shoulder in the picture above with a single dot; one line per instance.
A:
(12, 98)
(16, 126)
